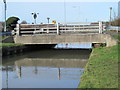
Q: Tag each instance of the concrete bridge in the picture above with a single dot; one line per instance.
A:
(63, 33)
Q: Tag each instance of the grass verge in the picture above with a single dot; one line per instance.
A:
(117, 37)
(102, 69)
(5, 45)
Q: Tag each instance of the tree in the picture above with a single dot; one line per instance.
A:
(1, 26)
(116, 22)
(24, 22)
(11, 23)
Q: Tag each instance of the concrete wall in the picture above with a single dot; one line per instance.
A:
(57, 39)
(8, 40)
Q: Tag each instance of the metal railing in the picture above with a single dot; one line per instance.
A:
(69, 28)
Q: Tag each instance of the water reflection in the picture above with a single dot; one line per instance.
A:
(44, 69)
(74, 46)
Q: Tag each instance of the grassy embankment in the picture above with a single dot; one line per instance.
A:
(101, 70)
(5, 45)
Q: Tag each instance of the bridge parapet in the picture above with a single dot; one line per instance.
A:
(63, 39)
(62, 33)
(67, 28)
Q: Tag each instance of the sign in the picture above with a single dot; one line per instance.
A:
(54, 22)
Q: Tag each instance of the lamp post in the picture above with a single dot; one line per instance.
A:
(48, 19)
(110, 14)
(5, 15)
(35, 17)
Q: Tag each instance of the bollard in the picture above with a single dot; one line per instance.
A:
(100, 27)
(57, 28)
(18, 29)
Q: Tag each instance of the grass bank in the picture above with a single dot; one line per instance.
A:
(5, 45)
(101, 70)
(117, 37)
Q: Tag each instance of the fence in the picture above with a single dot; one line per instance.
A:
(63, 28)
(115, 28)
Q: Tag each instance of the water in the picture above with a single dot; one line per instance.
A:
(74, 46)
(44, 69)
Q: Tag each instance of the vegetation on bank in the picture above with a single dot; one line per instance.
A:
(116, 22)
(4, 37)
(117, 37)
(5, 45)
(102, 68)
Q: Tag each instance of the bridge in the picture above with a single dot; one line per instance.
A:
(62, 33)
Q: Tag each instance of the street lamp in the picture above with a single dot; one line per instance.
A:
(35, 17)
(48, 19)
(5, 15)
(110, 14)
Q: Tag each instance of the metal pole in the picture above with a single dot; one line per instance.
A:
(110, 15)
(5, 15)
(48, 19)
(35, 21)
(34, 25)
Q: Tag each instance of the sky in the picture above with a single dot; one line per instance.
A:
(61, 11)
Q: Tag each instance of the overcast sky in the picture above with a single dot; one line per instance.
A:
(75, 11)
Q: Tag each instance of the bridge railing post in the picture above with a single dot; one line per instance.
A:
(100, 27)
(57, 28)
(18, 29)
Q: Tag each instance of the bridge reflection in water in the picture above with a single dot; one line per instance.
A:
(45, 69)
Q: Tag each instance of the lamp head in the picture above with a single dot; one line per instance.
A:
(110, 8)
(4, 1)
(32, 13)
(48, 18)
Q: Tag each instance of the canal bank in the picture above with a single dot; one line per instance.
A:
(101, 70)
(12, 48)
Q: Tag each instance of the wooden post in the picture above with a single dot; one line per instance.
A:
(100, 27)
(18, 29)
(74, 28)
(57, 28)
(47, 29)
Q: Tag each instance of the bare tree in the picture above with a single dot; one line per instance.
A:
(24, 22)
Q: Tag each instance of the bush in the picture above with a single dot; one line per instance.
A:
(11, 23)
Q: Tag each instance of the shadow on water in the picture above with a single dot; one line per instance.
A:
(47, 68)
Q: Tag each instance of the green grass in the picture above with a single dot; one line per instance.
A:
(101, 70)
(4, 45)
(117, 37)
(4, 37)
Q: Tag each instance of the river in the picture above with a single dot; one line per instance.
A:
(53, 68)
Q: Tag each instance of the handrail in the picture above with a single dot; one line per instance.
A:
(59, 28)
